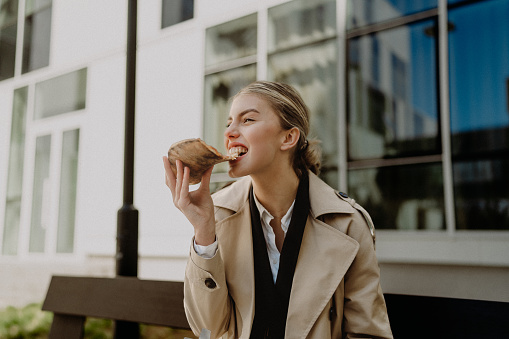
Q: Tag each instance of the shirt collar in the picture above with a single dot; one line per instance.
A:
(266, 217)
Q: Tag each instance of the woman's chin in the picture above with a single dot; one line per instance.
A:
(235, 172)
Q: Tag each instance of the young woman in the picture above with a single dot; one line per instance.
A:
(277, 254)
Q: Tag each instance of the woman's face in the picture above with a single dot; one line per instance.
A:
(254, 130)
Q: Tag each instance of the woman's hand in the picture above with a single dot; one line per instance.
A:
(197, 205)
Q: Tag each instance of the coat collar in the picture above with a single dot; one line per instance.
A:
(324, 258)
(322, 197)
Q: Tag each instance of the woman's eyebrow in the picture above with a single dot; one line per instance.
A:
(244, 112)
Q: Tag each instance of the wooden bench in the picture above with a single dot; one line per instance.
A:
(73, 299)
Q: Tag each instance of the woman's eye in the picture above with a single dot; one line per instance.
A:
(248, 120)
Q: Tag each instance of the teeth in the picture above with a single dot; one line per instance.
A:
(236, 151)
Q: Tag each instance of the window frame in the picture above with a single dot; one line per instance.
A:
(20, 53)
(55, 127)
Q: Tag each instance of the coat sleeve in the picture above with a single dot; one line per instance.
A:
(365, 312)
(206, 300)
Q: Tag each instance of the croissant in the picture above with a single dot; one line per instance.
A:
(197, 155)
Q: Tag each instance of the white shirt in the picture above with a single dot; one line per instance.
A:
(270, 237)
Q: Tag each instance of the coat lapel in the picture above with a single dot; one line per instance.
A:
(324, 258)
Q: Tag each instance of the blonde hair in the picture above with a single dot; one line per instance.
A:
(292, 112)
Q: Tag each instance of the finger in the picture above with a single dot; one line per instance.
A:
(170, 177)
(184, 198)
(205, 180)
(185, 180)
(178, 186)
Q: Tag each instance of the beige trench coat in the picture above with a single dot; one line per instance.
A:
(336, 260)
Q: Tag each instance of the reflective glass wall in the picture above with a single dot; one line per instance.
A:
(396, 152)
(426, 112)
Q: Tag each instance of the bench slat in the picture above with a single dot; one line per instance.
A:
(121, 298)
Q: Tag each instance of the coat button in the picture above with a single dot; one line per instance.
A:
(210, 283)
(343, 194)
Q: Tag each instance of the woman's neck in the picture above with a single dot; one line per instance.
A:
(276, 192)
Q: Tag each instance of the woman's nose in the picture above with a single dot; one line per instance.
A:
(231, 131)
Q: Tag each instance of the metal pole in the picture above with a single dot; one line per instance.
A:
(127, 217)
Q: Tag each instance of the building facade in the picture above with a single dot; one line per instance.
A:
(409, 98)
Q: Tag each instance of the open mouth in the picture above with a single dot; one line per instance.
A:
(236, 152)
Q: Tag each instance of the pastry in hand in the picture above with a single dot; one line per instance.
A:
(197, 155)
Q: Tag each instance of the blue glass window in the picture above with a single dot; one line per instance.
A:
(479, 101)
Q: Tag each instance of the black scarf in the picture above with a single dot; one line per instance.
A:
(271, 300)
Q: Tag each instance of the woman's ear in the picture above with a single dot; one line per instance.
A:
(291, 137)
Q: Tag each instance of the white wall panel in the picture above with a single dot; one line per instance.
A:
(86, 30)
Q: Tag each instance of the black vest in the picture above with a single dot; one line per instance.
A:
(271, 300)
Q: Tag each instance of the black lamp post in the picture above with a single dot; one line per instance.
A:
(127, 217)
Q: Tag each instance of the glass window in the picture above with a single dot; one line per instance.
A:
(68, 184)
(300, 22)
(15, 173)
(41, 195)
(62, 94)
(219, 88)
(302, 52)
(231, 40)
(176, 11)
(8, 33)
(366, 12)
(392, 96)
(480, 188)
(401, 197)
(479, 73)
(312, 71)
(479, 104)
(36, 40)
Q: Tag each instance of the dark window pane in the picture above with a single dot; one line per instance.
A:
(401, 197)
(175, 11)
(36, 40)
(8, 33)
(392, 97)
(479, 75)
(367, 12)
(8, 12)
(7, 51)
(481, 197)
